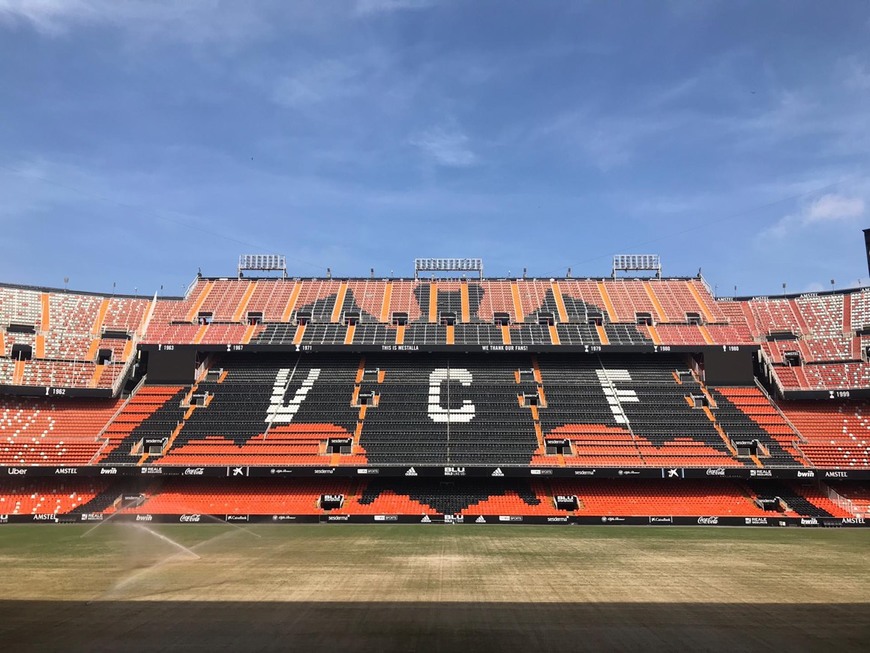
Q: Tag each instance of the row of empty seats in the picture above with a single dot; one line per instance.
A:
(835, 434)
(815, 350)
(755, 414)
(855, 496)
(814, 342)
(68, 339)
(599, 498)
(52, 431)
(276, 300)
(48, 496)
(579, 410)
(344, 409)
(75, 327)
(666, 301)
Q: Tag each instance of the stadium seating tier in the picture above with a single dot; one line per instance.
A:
(535, 408)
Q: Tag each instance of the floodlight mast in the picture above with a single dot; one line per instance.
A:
(448, 265)
(263, 263)
(637, 263)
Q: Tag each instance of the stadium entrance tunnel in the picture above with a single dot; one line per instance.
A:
(560, 447)
(153, 445)
(22, 352)
(331, 501)
(747, 447)
(339, 445)
(566, 502)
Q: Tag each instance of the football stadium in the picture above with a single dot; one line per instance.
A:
(564, 429)
(431, 326)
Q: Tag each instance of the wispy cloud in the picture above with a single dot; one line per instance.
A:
(365, 7)
(37, 185)
(325, 80)
(856, 74)
(828, 209)
(791, 113)
(718, 106)
(834, 207)
(49, 16)
(358, 102)
(606, 141)
(445, 146)
(195, 21)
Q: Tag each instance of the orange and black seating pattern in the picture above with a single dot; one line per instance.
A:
(435, 409)
(421, 496)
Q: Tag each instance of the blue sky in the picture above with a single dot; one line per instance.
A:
(140, 140)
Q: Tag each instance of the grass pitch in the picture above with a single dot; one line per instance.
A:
(216, 587)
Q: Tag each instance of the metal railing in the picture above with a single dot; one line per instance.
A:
(147, 321)
(707, 286)
(190, 287)
(768, 368)
(102, 433)
(779, 410)
(839, 499)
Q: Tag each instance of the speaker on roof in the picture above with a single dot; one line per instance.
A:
(867, 247)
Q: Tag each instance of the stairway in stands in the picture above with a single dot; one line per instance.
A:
(153, 412)
(744, 413)
(100, 502)
(799, 504)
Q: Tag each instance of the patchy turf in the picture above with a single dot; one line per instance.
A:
(372, 588)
